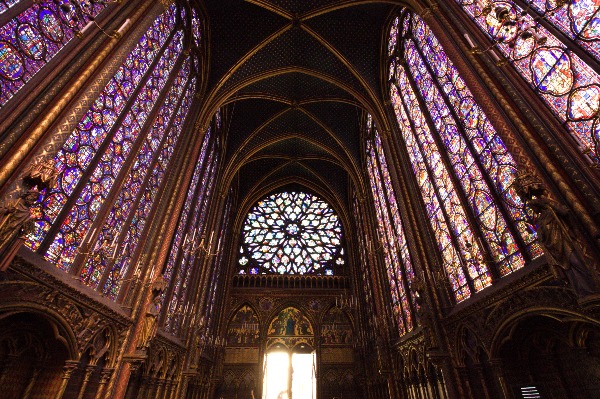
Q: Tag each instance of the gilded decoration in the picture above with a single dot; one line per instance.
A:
(336, 328)
(243, 328)
(290, 328)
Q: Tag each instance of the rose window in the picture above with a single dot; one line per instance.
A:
(291, 233)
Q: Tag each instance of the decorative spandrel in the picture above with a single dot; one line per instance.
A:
(243, 328)
(336, 328)
(291, 233)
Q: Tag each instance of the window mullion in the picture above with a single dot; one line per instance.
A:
(50, 235)
(390, 246)
(571, 44)
(180, 254)
(490, 185)
(191, 259)
(434, 182)
(451, 172)
(15, 10)
(201, 260)
(184, 255)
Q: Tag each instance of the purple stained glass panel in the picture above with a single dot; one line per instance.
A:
(133, 183)
(291, 233)
(474, 157)
(192, 245)
(148, 197)
(569, 85)
(79, 149)
(34, 37)
(95, 191)
(391, 232)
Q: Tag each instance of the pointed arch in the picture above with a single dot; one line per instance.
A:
(243, 328)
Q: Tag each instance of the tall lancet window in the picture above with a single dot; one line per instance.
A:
(461, 164)
(113, 164)
(391, 232)
(366, 288)
(555, 46)
(191, 243)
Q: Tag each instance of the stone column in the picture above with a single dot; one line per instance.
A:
(484, 382)
(32, 381)
(160, 385)
(68, 368)
(464, 378)
(145, 383)
(499, 375)
(173, 389)
(182, 388)
(105, 375)
(89, 369)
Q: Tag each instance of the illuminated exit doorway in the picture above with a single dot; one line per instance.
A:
(290, 375)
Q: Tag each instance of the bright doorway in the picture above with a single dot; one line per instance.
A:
(290, 375)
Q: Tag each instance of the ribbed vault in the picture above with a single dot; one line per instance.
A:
(295, 78)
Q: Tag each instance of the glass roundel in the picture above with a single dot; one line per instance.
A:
(291, 233)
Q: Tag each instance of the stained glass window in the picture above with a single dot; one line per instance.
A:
(191, 241)
(146, 199)
(462, 166)
(113, 165)
(195, 27)
(365, 282)
(291, 233)
(86, 140)
(391, 232)
(35, 36)
(217, 266)
(93, 193)
(555, 46)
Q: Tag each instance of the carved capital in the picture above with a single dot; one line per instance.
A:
(68, 368)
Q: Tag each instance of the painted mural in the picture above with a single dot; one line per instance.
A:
(243, 328)
(290, 328)
(336, 328)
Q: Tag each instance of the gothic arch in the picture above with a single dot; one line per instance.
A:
(506, 329)
(61, 327)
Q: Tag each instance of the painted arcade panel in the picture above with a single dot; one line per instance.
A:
(290, 328)
(336, 329)
(243, 328)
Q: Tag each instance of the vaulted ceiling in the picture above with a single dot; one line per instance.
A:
(295, 76)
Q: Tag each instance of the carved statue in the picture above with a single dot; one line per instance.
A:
(150, 322)
(15, 218)
(556, 235)
(41, 174)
